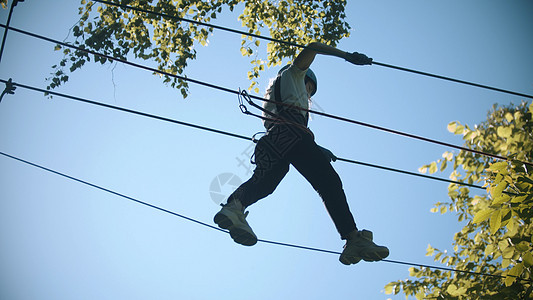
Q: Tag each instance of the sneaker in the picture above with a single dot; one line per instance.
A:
(233, 218)
(359, 245)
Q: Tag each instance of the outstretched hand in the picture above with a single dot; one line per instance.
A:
(10, 89)
(358, 58)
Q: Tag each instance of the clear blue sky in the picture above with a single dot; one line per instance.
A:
(64, 240)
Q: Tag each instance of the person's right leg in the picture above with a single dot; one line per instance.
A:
(309, 160)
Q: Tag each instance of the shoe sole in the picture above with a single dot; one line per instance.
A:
(223, 221)
(380, 254)
(239, 235)
(376, 256)
(349, 260)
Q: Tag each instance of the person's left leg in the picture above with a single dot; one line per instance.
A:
(270, 168)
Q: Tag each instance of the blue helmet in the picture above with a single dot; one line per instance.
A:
(309, 75)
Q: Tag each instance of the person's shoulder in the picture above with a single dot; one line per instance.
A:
(295, 71)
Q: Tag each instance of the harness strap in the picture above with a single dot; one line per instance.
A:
(277, 94)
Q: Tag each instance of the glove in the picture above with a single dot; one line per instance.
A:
(358, 59)
(10, 88)
(329, 155)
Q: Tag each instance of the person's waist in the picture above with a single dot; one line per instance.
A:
(290, 117)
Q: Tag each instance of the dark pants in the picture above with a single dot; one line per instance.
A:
(290, 144)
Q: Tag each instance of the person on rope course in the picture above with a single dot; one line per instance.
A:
(290, 142)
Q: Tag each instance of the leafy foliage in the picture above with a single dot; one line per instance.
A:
(3, 3)
(171, 44)
(498, 236)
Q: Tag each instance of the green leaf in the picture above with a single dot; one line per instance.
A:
(482, 215)
(447, 155)
(498, 190)
(430, 250)
(503, 244)
(504, 132)
(508, 253)
(423, 169)
(459, 130)
(389, 288)
(518, 199)
(397, 289)
(433, 168)
(509, 280)
(513, 274)
(499, 166)
(506, 215)
(489, 250)
(420, 295)
(503, 198)
(527, 258)
(523, 246)
(505, 263)
(495, 221)
(452, 126)
(452, 289)
(512, 226)
(443, 165)
(509, 117)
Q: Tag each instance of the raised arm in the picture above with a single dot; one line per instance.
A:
(304, 60)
